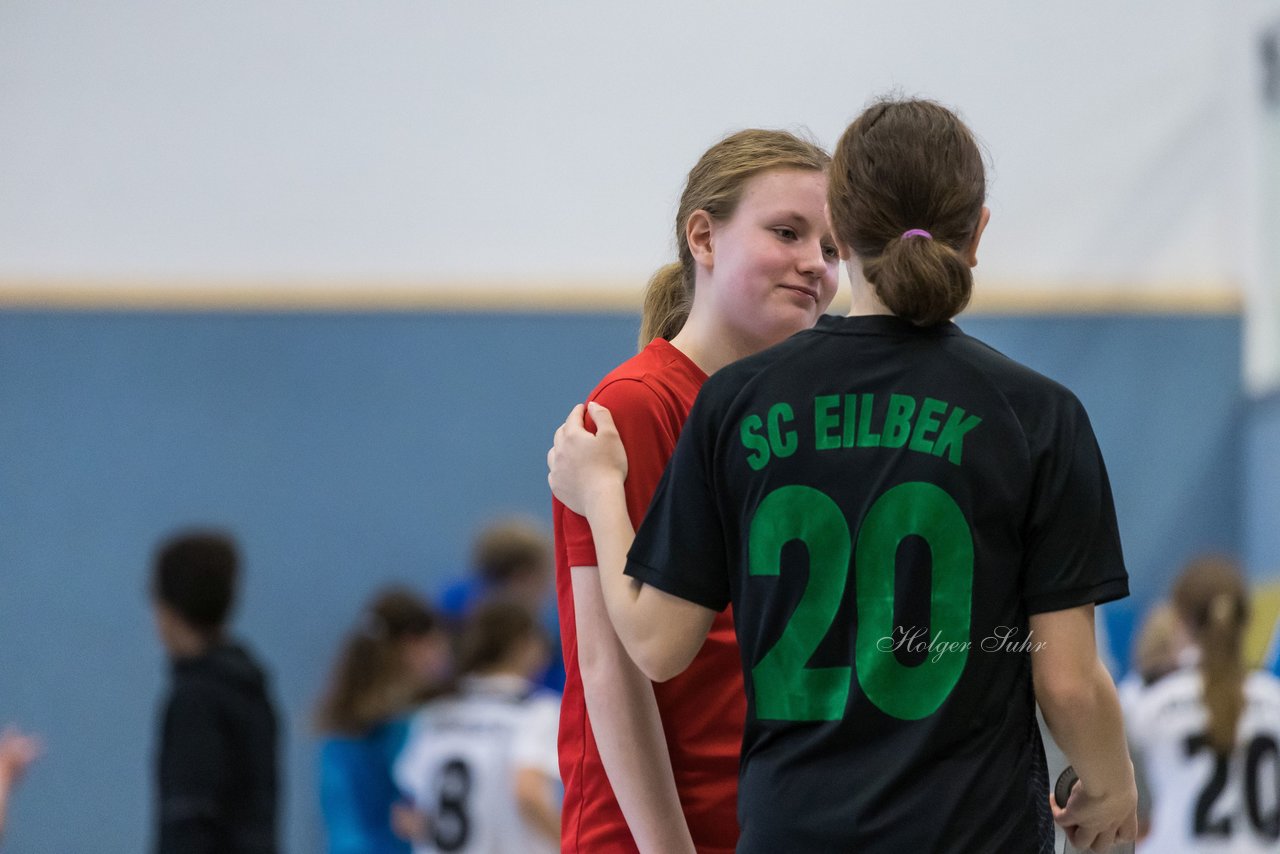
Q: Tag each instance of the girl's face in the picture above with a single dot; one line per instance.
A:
(775, 266)
(428, 657)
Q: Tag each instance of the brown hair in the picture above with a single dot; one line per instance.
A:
(492, 633)
(901, 165)
(715, 185)
(195, 574)
(509, 549)
(1212, 599)
(370, 682)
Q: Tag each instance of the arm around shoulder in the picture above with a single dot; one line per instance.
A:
(589, 473)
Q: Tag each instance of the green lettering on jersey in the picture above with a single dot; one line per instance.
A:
(897, 421)
(754, 442)
(785, 687)
(927, 422)
(850, 425)
(824, 420)
(783, 442)
(951, 438)
(924, 510)
(867, 439)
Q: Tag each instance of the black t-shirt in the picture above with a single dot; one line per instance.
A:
(217, 763)
(884, 506)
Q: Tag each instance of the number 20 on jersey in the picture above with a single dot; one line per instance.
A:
(785, 687)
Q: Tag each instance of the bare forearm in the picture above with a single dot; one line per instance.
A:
(628, 731)
(613, 534)
(660, 632)
(1087, 724)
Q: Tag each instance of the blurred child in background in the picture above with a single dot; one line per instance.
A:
(218, 781)
(1162, 647)
(1208, 734)
(396, 657)
(481, 765)
(512, 557)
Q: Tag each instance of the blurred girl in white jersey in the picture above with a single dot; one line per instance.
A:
(1209, 733)
(481, 766)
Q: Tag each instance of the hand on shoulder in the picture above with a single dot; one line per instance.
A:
(584, 466)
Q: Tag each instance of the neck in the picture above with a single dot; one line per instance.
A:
(865, 300)
(709, 347)
(185, 642)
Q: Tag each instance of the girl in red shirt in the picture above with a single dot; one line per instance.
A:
(654, 767)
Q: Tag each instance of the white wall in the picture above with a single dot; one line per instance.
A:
(435, 141)
(1261, 198)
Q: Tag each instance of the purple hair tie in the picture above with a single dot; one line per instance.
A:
(916, 232)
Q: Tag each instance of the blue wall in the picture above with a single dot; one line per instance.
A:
(346, 450)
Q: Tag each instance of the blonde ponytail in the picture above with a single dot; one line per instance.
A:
(666, 304)
(1222, 666)
(1212, 600)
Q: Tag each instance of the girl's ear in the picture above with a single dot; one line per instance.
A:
(699, 232)
(971, 257)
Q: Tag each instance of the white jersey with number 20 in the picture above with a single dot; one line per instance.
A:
(1202, 802)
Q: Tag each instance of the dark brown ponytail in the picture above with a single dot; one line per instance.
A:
(369, 683)
(905, 165)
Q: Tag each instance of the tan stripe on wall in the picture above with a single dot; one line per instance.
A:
(607, 296)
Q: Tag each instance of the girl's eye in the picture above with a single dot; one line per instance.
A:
(785, 233)
(831, 252)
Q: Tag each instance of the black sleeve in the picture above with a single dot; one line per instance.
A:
(679, 548)
(193, 774)
(1072, 538)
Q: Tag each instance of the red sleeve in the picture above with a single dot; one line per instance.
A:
(649, 434)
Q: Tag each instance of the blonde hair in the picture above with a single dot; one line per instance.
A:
(1213, 601)
(715, 185)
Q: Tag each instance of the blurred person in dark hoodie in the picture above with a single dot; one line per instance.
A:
(217, 754)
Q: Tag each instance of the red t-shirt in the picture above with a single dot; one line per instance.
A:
(702, 709)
